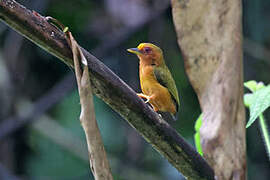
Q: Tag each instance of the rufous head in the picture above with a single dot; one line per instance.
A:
(148, 53)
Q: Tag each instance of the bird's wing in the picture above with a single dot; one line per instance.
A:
(164, 77)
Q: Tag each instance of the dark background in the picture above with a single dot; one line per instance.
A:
(41, 138)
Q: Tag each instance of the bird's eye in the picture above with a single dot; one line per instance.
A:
(147, 50)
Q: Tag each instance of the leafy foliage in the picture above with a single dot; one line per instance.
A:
(197, 138)
(258, 101)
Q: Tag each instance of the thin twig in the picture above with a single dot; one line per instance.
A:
(98, 159)
(265, 134)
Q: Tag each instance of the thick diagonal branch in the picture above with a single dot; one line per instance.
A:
(112, 90)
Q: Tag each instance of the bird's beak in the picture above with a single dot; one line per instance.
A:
(134, 51)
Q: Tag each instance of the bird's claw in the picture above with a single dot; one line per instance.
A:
(147, 100)
(144, 96)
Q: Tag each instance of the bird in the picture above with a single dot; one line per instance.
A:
(157, 84)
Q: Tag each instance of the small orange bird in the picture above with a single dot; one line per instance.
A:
(157, 84)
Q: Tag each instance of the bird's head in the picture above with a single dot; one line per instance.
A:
(148, 53)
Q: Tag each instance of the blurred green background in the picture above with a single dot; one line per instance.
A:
(40, 133)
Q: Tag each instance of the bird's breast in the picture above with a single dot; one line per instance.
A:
(147, 80)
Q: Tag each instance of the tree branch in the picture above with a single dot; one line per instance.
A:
(112, 90)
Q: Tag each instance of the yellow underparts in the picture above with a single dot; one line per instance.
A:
(159, 96)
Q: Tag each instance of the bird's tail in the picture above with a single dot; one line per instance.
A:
(174, 116)
(168, 116)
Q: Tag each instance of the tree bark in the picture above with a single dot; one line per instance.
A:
(210, 38)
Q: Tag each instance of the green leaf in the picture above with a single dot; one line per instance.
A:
(198, 123)
(251, 85)
(197, 137)
(260, 85)
(260, 102)
(248, 99)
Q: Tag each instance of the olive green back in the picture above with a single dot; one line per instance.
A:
(164, 77)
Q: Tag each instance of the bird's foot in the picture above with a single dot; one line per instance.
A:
(144, 96)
